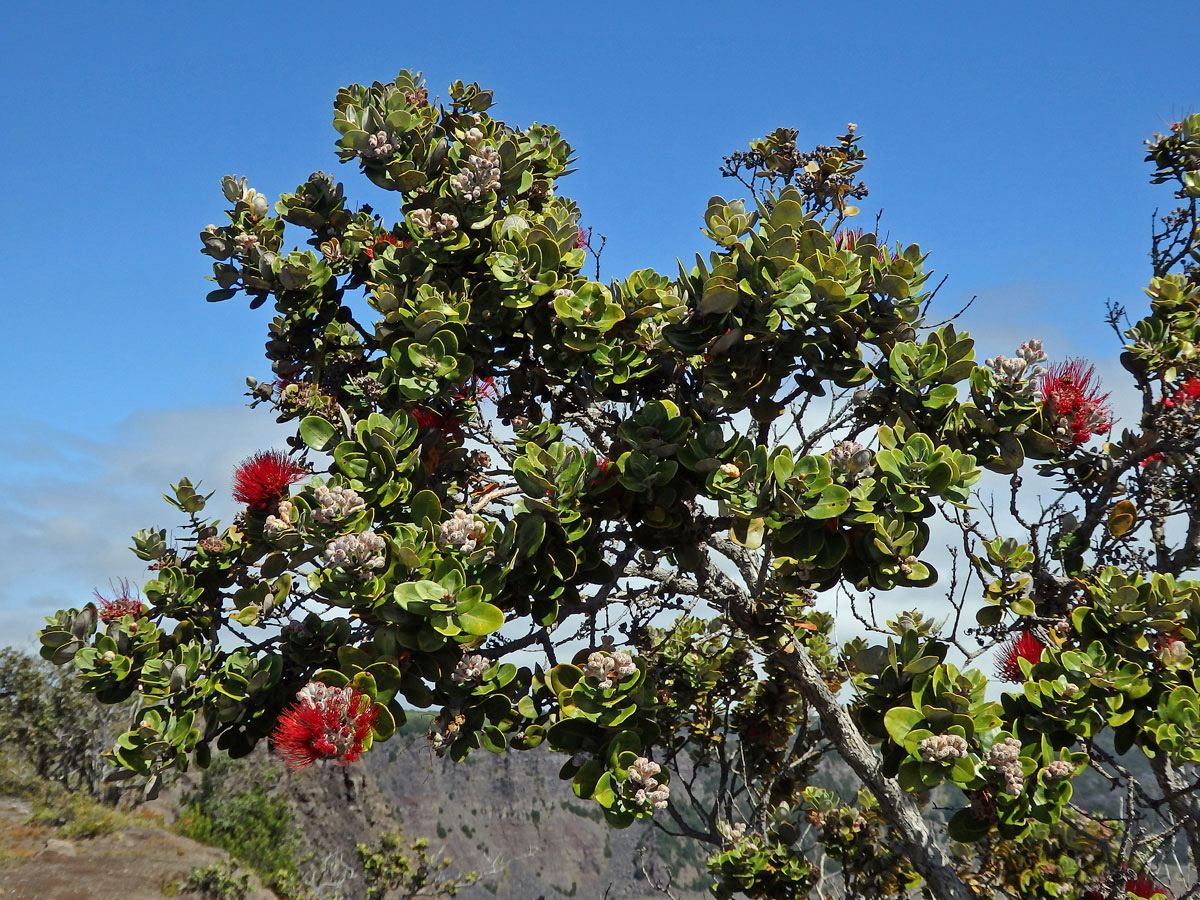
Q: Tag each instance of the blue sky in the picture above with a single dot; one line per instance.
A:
(1005, 139)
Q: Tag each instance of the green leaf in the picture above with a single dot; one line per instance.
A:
(564, 677)
(331, 677)
(426, 510)
(1122, 517)
(922, 664)
(246, 616)
(989, 615)
(625, 741)
(584, 784)
(480, 619)
(384, 725)
(747, 533)
(900, 720)
(531, 530)
(492, 739)
(604, 793)
(963, 771)
(720, 296)
(317, 432)
(834, 501)
(966, 828)
(1023, 606)
(942, 395)
(527, 708)
(353, 659)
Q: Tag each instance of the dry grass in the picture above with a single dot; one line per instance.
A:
(22, 840)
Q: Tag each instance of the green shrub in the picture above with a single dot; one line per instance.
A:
(251, 823)
(220, 881)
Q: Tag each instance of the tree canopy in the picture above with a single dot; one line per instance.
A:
(614, 517)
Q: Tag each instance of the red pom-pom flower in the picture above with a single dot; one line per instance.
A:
(1188, 393)
(1071, 397)
(1020, 646)
(124, 603)
(1142, 885)
(324, 723)
(261, 481)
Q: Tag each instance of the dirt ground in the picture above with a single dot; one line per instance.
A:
(131, 864)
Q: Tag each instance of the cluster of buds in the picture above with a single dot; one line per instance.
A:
(941, 747)
(295, 628)
(213, 544)
(444, 728)
(1005, 758)
(280, 521)
(642, 773)
(336, 503)
(463, 531)
(379, 145)
(730, 831)
(730, 470)
(473, 135)
(359, 552)
(371, 387)
(324, 723)
(479, 175)
(1020, 372)
(470, 668)
(1060, 768)
(852, 458)
(437, 225)
(245, 242)
(609, 668)
(1073, 402)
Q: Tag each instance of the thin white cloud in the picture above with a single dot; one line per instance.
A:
(69, 502)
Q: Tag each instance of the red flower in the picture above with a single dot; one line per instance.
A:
(282, 383)
(1072, 399)
(1188, 393)
(123, 604)
(1153, 457)
(324, 723)
(478, 389)
(581, 239)
(381, 243)
(1021, 646)
(428, 418)
(602, 465)
(1143, 885)
(261, 481)
(845, 240)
